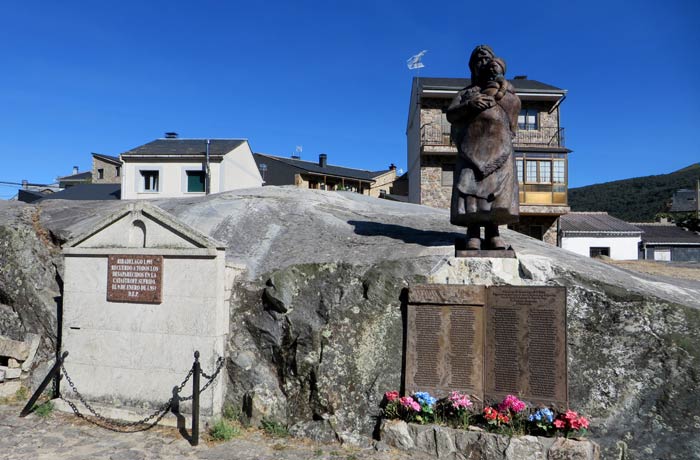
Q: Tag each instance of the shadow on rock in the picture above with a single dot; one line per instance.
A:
(406, 234)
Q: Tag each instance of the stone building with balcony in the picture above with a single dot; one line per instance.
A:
(540, 152)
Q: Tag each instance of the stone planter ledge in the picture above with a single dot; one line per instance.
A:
(442, 442)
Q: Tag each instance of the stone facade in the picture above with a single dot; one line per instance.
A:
(105, 172)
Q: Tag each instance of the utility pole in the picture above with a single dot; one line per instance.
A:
(697, 199)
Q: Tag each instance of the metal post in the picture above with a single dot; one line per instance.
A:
(54, 370)
(196, 369)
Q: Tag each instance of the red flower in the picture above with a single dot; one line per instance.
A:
(490, 414)
(391, 396)
(559, 423)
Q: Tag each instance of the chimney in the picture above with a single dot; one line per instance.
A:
(25, 184)
(75, 170)
(520, 77)
(171, 135)
(392, 167)
(322, 160)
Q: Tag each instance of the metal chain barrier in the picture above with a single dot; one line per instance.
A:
(144, 423)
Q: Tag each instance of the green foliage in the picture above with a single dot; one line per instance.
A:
(274, 428)
(634, 200)
(44, 409)
(22, 393)
(223, 430)
(231, 412)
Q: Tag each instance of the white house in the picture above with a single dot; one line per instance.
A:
(599, 234)
(172, 167)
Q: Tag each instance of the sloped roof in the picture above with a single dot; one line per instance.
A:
(87, 192)
(107, 158)
(217, 147)
(329, 170)
(684, 200)
(595, 223)
(667, 233)
(459, 83)
(76, 177)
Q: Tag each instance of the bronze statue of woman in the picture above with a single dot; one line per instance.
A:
(484, 118)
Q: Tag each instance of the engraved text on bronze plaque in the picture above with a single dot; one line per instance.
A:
(134, 278)
(445, 340)
(526, 343)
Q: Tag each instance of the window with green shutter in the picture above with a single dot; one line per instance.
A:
(195, 181)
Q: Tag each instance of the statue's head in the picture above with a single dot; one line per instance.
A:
(496, 68)
(481, 56)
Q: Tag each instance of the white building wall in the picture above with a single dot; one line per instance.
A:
(622, 248)
(238, 170)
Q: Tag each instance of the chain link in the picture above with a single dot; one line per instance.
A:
(142, 424)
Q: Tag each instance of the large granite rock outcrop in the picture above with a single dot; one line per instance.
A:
(316, 335)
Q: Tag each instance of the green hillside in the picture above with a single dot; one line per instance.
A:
(634, 200)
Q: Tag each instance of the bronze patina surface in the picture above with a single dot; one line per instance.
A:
(484, 119)
(488, 342)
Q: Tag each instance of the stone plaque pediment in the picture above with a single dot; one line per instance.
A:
(142, 225)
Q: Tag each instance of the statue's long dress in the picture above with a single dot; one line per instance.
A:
(484, 141)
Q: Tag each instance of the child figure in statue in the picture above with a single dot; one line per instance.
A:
(484, 121)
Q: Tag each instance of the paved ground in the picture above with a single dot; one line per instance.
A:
(63, 436)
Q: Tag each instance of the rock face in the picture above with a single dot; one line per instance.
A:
(316, 316)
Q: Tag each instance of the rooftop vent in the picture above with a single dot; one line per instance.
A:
(322, 158)
(392, 167)
(75, 170)
(520, 77)
(171, 135)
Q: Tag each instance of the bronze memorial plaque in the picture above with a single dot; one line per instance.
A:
(444, 349)
(134, 278)
(526, 344)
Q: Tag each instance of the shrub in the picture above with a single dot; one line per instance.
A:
(223, 430)
(44, 409)
(274, 428)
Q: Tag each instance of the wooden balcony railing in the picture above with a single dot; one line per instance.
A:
(439, 134)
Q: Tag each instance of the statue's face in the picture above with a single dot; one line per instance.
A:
(482, 60)
(494, 69)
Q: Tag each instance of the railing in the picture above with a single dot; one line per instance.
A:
(439, 134)
(542, 137)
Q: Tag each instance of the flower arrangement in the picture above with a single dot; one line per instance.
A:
(511, 416)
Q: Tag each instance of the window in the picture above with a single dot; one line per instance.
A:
(118, 171)
(531, 171)
(195, 181)
(558, 172)
(545, 171)
(527, 119)
(597, 252)
(150, 181)
(100, 173)
(519, 168)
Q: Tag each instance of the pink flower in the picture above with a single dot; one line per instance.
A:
(391, 396)
(460, 401)
(513, 403)
(559, 423)
(409, 403)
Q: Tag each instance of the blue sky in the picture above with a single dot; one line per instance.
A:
(82, 77)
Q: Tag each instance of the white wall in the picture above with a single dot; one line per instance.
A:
(237, 170)
(623, 248)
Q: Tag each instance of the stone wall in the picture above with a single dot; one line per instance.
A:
(109, 172)
(433, 193)
(548, 223)
(443, 442)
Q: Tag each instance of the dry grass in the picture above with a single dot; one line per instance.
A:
(659, 268)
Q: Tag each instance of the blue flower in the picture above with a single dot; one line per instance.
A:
(542, 414)
(424, 398)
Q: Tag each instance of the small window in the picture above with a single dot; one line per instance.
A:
(597, 252)
(545, 172)
(527, 119)
(531, 171)
(100, 173)
(195, 181)
(150, 181)
(519, 168)
(118, 171)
